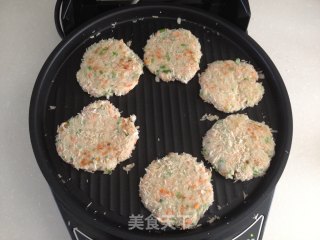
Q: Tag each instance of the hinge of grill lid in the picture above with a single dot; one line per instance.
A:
(70, 14)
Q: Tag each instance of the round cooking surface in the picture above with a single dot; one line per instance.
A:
(168, 115)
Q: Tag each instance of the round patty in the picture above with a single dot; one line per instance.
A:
(173, 54)
(177, 190)
(230, 85)
(239, 148)
(97, 139)
(109, 67)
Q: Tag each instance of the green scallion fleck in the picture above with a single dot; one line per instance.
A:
(204, 152)
(167, 173)
(267, 139)
(118, 122)
(162, 30)
(237, 60)
(166, 71)
(167, 57)
(108, 93)
(114, 53)
(103, 51)
(107, 171)
(221, 163)
(256, 172)
(179, 195)
(78, 131)
(173, 220)
(230, 174)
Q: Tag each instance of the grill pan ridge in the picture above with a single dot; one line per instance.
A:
(168, 115)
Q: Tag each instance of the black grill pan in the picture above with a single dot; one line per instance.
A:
(169, 118)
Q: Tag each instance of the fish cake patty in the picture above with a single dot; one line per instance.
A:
(177, 190)
(109, 67)
(97, 139)
(239, 148)
(230, 85)
(173, 54)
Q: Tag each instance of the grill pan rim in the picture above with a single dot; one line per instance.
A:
(63, 196)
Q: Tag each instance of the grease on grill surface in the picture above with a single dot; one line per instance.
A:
(177, 190)
(173, 54)
(230, 85)
(97, 139)
(239, 148)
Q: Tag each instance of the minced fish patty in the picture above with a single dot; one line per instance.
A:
(239, 148)
(230, 85)
(98, 138)
(109, 67)
(173, 54)
(177, 190)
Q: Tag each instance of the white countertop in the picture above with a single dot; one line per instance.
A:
(288, 30)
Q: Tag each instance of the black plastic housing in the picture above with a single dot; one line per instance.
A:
(169, 118)
(70, 14)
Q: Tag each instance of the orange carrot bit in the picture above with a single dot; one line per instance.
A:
(196, 206)
(100, 146)
(84, 162)
(164, 191)
(158, 53)
(176, 34)
(73, 139)
(201, 180)
(188, 221)
(178, 56)
(188, 52)
(191, 197)
(126, 66)
(169, 212)
(95, 68)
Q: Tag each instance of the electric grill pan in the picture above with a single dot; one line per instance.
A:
(169, 118)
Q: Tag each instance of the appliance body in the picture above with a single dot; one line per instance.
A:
(236, 224)
(70, 14)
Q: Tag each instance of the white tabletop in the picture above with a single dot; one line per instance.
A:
(288, 30)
